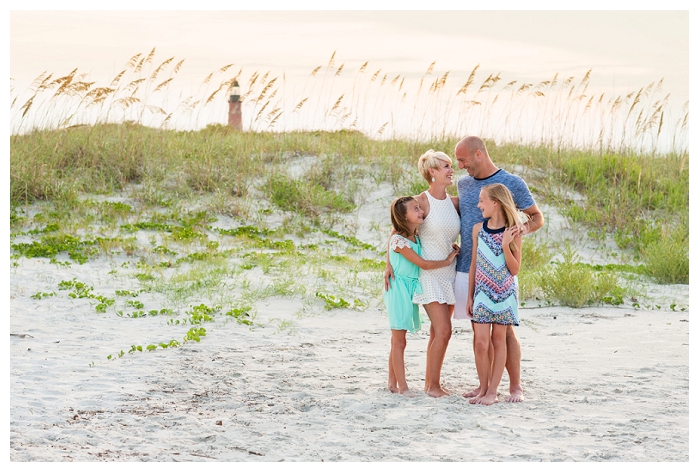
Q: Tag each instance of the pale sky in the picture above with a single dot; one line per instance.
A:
(626, 50)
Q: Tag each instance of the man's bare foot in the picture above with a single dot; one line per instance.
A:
(516, 395)
(488, 399)
(472, 393)
(437, 392)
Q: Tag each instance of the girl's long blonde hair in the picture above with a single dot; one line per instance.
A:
(399, 208)
(501, 194)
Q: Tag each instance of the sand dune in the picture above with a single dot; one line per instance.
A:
(601, 383)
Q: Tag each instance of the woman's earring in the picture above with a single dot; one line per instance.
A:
(432, 179)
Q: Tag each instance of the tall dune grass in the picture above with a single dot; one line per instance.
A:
(71, 136)
(561, 112)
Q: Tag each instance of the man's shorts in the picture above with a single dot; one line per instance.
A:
(461, 296)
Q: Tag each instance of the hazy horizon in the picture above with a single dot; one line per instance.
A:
(625, 50)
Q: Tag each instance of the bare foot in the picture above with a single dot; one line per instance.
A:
(516, 395)
(393, 388)
(474, 400)
(488, 399)
(472, 393)
(437, 392)
(408, 394)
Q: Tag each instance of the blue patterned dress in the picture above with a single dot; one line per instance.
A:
(495, 298)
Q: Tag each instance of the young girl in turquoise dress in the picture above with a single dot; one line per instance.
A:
(492, 288)
(405, 257)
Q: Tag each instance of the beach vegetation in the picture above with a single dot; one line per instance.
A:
(331, 301)
(242, 314)
(667, 260)
(220, 208)
(574, 284)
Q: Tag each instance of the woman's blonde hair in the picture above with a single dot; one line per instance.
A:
(430, 160)
(502, 195)
(399, 210)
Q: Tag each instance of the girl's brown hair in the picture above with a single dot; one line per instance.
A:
(399, 208)
(502, 195)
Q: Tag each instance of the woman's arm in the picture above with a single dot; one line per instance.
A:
(388, 272)
(455, 202)
(513, 259)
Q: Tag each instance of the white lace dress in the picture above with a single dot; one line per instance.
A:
(437, 233)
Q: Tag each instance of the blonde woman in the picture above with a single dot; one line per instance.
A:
(438, 233)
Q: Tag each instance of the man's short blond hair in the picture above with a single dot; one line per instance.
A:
(431, 160)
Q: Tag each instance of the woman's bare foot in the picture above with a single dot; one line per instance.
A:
(393, 388)
(488, 399)
(437, 392)
(516, 395)
(472, 393)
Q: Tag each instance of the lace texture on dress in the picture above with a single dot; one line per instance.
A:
(398, 241)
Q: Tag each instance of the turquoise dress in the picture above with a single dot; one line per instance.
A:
(403, 314)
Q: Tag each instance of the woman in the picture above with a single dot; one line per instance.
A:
(438, 232)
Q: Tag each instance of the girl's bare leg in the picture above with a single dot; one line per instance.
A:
(476, 391)
(392, 384)
(397, 361)
(514, 357)
(481, 347)
(440, 318)
(499, 359)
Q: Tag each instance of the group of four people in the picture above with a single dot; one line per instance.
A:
(425, 267)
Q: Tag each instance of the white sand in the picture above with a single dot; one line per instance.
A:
(601, 384)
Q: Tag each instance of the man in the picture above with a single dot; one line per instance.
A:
(472, 155)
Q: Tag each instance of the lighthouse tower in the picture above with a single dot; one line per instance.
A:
(235, 115)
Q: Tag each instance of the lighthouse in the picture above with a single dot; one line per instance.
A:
(235, 115)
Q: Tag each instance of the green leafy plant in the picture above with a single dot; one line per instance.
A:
(331, 301)
(574, 284)
(241, 315)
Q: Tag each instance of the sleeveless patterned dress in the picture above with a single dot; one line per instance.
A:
(437, 233)
(495, 298)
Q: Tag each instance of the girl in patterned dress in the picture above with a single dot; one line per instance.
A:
(405, 257)
(492, 295)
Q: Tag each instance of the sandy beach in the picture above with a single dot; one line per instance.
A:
(602, 383)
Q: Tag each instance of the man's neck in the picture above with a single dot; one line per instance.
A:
(487, 171)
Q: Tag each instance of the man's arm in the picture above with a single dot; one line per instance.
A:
(535, 222)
